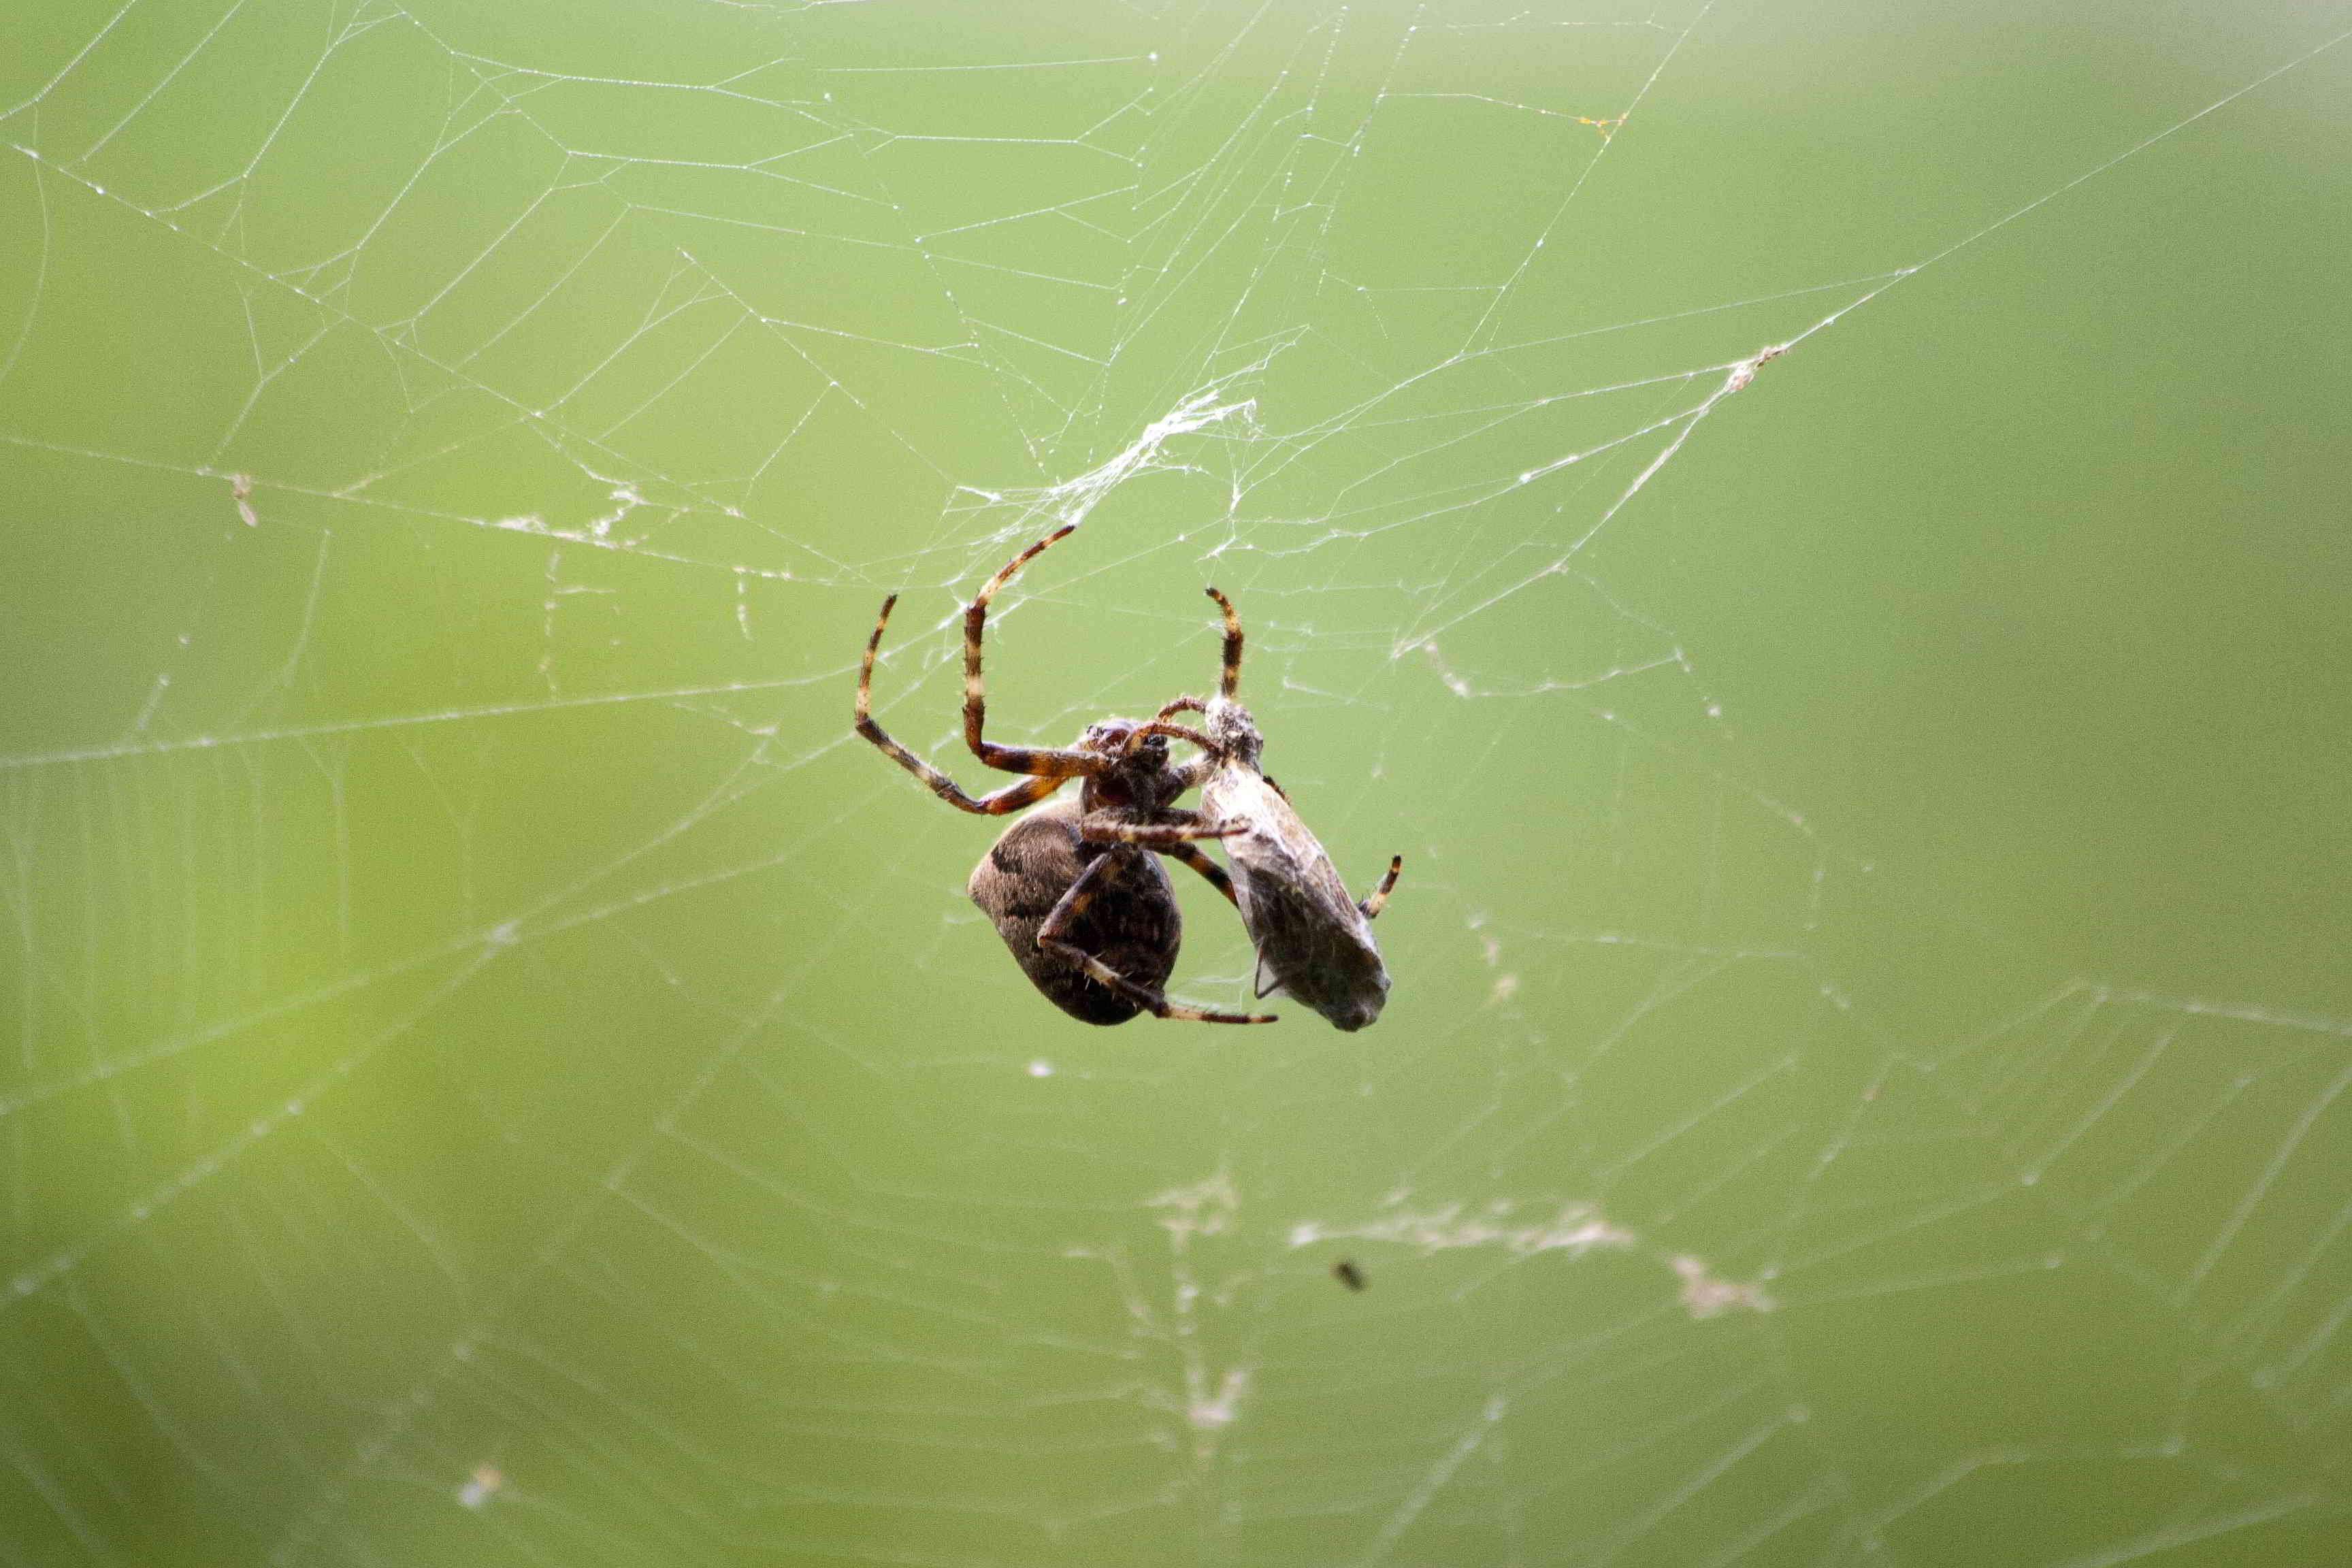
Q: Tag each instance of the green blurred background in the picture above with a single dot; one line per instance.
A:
(503, 1075)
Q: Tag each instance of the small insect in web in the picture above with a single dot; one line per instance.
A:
(1074, 887)
(1346, 1272)
(1312, 941)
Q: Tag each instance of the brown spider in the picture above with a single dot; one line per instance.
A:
(1312, 941)
(1088, 914)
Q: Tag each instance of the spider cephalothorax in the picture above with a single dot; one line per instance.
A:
(1312, 941)
(1074, 887)
(1138, 778)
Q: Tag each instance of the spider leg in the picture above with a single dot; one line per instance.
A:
(1209, 869)
(1230, 680)
(1174, 827)
(1073, 904)
(1370, 903)
(1182, 705)
(1178, 731)
(1011, 797)
(1050, 762)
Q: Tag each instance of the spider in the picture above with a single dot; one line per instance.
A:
(1312, 941)
(1087, 912)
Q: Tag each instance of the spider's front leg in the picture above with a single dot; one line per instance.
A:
(1050, 937)
(1042, 760)
(1011, 797)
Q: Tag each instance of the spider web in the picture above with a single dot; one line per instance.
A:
(502, 1075)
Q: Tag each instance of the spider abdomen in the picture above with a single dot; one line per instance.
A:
(1130, 921)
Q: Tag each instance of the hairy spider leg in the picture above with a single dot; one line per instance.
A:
(1045, 760)
(1174, 827)
(1011, 797)
(1213, 873)
(1162, 727)
(1073, 904)
(1228, 678)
